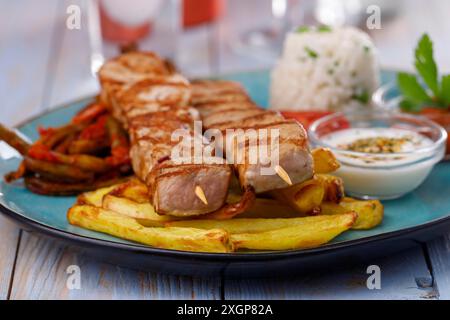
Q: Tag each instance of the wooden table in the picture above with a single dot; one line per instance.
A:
(43, 64)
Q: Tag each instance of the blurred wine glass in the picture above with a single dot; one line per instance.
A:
(150, 25)
(117, 25)
(337, 13)
(266, 39)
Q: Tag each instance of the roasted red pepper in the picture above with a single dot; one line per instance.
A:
(46, 131)
(89, 113)
(42, 152)
(96, 130)
(119, 156)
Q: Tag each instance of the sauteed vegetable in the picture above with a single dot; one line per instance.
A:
(88, 153)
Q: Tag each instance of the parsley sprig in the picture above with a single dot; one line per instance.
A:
(428, 90)
(321, 28)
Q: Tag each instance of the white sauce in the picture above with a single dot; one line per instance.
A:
(382, 175)
(414, 141)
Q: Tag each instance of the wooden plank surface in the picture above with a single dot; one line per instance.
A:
(41, 273)
(439, 253)
(24, 55)
(8, 246)
(403, 276)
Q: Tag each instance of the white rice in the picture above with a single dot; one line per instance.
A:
(324, 70)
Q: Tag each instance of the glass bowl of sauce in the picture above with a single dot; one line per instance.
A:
(383, 155)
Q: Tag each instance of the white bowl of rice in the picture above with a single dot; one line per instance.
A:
(324, 69)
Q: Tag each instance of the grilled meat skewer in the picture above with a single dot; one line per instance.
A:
(225, 105)
(153, 103)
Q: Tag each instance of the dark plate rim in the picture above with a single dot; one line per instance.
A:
(241, 256)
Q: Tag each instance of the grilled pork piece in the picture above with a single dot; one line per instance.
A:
(225, 105)
(129, 68)
(153, 103)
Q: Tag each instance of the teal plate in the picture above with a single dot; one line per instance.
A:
(418, 216)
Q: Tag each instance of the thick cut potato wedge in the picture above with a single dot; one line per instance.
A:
(370, 212)
(243, 225)
(122, 200)
(307, 235)
(94, 198)
(134, 190)
(333, 187)
(324, 160)
(144, 212)
(305, 197)
(187, 239)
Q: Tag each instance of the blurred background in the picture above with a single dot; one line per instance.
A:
(50, 49)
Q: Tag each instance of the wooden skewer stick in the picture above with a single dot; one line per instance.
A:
(283, 174)
(201, 194)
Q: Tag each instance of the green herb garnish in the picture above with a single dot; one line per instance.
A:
(425, 64)
(445, 89)
(361, 96)
(432, 92)
(411, 88)
(407, 105)
(324, 28)
(302, 29)
(311, 53)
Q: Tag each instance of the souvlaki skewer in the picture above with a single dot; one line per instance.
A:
(152, 102)
(225, 106)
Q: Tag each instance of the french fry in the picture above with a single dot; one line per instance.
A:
(324, 160)
(303, 236)
(305, 197)
(333, 187)
(370, 212)
(144, 212)
(131, 199)
(94, 198)
(244, 225)
(134, 190)
(187, 239)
